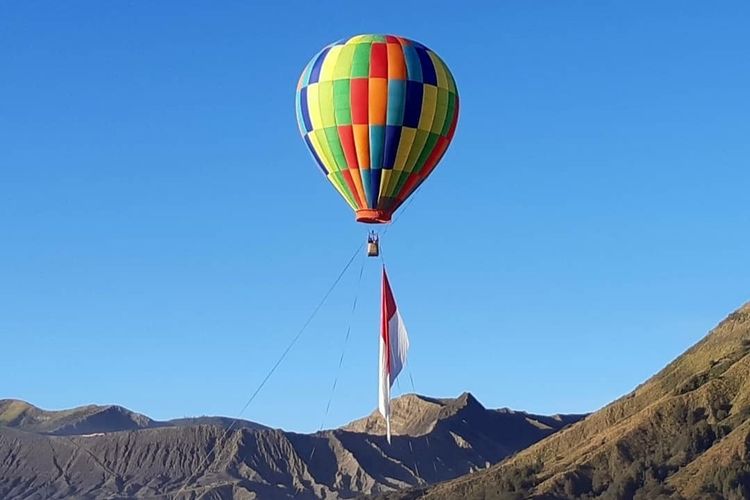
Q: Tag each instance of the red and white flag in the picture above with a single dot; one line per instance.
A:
(394, 342)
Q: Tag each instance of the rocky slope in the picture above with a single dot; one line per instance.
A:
(684, 434)
(106, 452)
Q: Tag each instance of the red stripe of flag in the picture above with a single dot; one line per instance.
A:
(387, 310)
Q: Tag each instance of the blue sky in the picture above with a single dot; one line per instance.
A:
(165, 233)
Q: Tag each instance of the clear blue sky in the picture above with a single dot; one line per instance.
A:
(164, 232)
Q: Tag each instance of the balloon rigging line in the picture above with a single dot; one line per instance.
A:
(427, 436)
(275, 366)
(401, 212)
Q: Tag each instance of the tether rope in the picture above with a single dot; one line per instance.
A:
(343, 352)
(292, 344)
(273, 368)
(346, 341)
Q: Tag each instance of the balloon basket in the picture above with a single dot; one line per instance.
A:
(373, 245)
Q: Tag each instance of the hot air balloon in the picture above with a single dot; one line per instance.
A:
(377, 113)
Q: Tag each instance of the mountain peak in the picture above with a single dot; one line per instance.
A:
(415, 415)
(14, 411)
(80, 420)
(411, 414)
(467, 399)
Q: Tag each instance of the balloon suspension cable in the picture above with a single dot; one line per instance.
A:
(217, 443)
(420, 479)
(373, 238)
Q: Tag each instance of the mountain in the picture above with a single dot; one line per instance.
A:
(683, 434)
(94, 419)
(502, 431)
(106, 451)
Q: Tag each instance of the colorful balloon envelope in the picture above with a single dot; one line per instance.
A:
(377, 112)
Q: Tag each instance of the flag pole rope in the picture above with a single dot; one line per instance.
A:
(216, 445)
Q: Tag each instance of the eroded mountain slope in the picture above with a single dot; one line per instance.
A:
(684, 433)
(445, 439)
